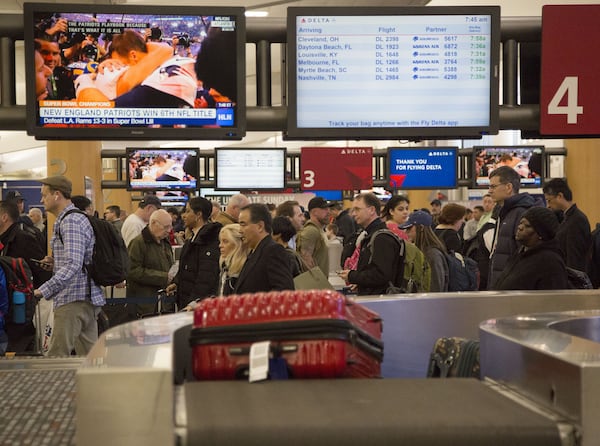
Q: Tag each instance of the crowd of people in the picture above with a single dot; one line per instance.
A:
(251, 247)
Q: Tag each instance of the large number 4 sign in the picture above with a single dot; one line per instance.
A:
(569, 96)
(568, 88)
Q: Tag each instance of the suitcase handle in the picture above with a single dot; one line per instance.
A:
(277, 350)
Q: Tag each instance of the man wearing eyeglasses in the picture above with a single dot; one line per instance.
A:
(504, 190)
(150, 257)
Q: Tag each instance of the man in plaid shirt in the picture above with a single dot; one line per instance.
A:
(77, 299)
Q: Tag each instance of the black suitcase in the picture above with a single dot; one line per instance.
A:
(454, 358)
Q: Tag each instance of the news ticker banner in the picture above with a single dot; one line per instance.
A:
(79, 113)
(336, 168)
(569, 94)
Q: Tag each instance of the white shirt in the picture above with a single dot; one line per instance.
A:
(132, 227)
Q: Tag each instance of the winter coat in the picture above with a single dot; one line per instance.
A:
(149, 264)
(508, 219)
(198, 274)
(539, 268)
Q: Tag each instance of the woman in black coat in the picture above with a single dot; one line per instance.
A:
(539, 264)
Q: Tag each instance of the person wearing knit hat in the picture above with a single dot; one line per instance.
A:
(543, 221)
(539, 264)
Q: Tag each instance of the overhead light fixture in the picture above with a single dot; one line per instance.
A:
(256, 13)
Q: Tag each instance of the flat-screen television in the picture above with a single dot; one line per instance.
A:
(528, 161)
(392, 72)
(249, 168)
(114, 71)
(422, 168)
(162, 169)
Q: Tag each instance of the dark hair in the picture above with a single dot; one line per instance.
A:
(114, 209)
(283, 226)
(81, 202)
(286, 209)
(479, 208)
(370, 199)
(392, 203)
(126, 41)
(173, 211)
(426, 238)
(11, 209)
(556, 186)
(202, 205)
(507, 175)
(260, 212)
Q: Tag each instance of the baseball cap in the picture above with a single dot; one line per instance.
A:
(58, 182)
(335, 204)
(317, 202)
(150, 200)
(417, 218)
(14, 195)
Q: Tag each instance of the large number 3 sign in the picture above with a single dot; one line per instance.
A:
(570, 93)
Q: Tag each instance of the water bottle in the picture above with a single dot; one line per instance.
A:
(18, 307)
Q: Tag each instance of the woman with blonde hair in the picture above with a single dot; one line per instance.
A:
(233, 256)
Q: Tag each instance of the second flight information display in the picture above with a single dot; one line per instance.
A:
(393, 71)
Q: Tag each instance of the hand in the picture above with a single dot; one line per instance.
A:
(47, 263)
(121, 284)
(344, 274)
(110, 65)
(171, 289)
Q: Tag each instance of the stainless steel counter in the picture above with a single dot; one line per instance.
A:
(552, 359)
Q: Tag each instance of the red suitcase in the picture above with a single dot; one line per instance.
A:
(319, 333)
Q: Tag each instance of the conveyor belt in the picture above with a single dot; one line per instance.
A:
(414, 412)
(37, 407)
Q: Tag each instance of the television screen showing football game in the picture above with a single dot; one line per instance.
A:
(124, 71)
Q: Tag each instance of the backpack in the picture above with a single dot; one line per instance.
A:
(110, 260)
(578, 280)
(417, 272)
(463, 272)
(19, 278)
(397, 284)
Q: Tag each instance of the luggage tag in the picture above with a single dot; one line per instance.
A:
(259, 361)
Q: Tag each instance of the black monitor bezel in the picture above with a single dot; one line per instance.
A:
(293, 131)
(237, 132)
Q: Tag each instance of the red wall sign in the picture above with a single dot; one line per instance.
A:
(336, 168)
(570, 88)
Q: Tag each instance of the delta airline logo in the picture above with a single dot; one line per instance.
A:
(356, 151)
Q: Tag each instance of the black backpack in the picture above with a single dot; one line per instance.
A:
(19, 278)
(463, 272)
(110, 260)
